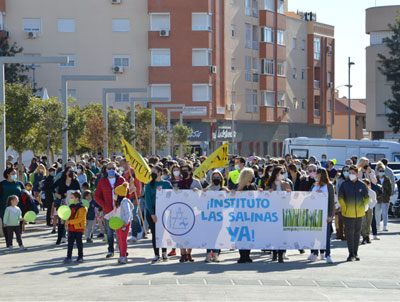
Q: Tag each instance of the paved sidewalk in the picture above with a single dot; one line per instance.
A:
(38, 274)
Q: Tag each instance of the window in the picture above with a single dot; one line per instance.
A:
(66, 25)
(233, 64)
(376, 38)
(255, 8)
(202, 93)
(268, 98)
(1, 22)
(71, 63)
(249, 38)
(329, 77)
(160, 21)
(281, 99)
(160, 91)
(121, 25)
(294, 43)
(303, 45)
(31, 25)
(160, 57)
(317, 48)
(201, 21)
(317, 106)
(281, 68)
(71, 94)
(281, 38)
(303, 103)
(232, 30)
(267, 67)
(269, 5)
(267, 34)
(295, 103)
(255, 64)
(329, 105)
(303, 74)
(123, 61)
(247, 8)
(281, 6)
(247, 66)
(255, 100)
(201, 57)
(294, 73)
(121, 97)
(251, 101)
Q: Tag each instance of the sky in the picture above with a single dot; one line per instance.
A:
(348, 17)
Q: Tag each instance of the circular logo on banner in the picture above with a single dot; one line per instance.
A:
(178, 219)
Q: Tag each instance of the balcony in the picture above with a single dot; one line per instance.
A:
(317, 84)
(267, 114)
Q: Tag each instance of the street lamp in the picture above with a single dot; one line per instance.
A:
(349, 86)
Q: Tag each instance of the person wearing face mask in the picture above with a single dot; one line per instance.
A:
(175, 175)
(338, 215)
(383, 198)
(150, 192)
(67, 182)
(365, 171)
(307, 181)
(367, 219)
(324, 163)
(353, 197)
(38, 176)
(187, 183)
(81, 176)
(233, 177)
(104, 196)
(8, 187)
(277, 183)
(48, 192)
(294, 176)
(267, 174)
(93, 167)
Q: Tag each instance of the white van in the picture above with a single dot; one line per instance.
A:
(341, 149)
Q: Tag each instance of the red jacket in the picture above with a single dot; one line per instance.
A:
(136, 182)
(104, 193)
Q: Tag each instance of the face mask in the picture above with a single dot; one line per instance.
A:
(8, 166)
(281, 177)
(177, 173)
(260, 165)
(41, 171)
(285, 175)
(365, 167)
(28, 188)
(79, 170)
(185, 174)
(14, 176)
(71, 174)
(323, 160)
(93, 164)
(111, 173)
(381, 174)
(202, 179)
(352, 176)
(298, 167)
(75, 169)
(216, 181)
(312, 174)
(269, 174)
(71, 201)
(237, 167)
(164, 177)
(346, 173)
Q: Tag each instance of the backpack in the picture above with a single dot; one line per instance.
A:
(29, 202)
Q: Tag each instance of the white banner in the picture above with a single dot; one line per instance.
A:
(241, 220)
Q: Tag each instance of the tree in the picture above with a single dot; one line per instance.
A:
(22, 115)
(14, 73)
(77, 121)
(119, 126)
(94, 130)
(180, 136)
(390, 67)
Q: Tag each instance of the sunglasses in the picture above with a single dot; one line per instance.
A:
(310, 171)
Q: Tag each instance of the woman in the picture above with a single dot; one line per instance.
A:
(81, 175)
(294, 175)
(323, 185)
(175, 175)
(217, 184)
(277, 183)
(382, 207)
(33, 165)
(338, 215)
(156, 183)
(66, 183)
(38, 176)
(10, 186)
(245, 184)
(267, 173)
(366, 171)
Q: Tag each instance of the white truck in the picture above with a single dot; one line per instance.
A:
(341, 149)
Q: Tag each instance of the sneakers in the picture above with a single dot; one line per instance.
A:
(329, 259)
(100, 235)
(215, 258)
(89, 240)
(323, 257)
(63, 240)
(368, 240)
(351, 258)
(109, 255)
(313, 258)
(376, 237)
(10, 247)
(285, 257)
(53, 232)
(156, 259)
(122, 260)
(139, 236)
(164, 257)
(385, 229)
(132, 239)
(208, 258)
(364, 241)
(67, 260)
(172, 253)
(22, 247)
(79, 260)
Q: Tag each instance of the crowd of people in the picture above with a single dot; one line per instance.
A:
(97, 189)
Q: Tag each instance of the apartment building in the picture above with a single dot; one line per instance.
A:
(378, 88)
(270, 70)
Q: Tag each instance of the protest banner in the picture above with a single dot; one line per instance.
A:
(241, 220)
(136, 161)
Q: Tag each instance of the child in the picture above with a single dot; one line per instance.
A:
(91, 215)
(369, 208)
(76, 225)
(124, 209)
(12, 221)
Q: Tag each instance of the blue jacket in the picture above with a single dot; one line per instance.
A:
(91, 214)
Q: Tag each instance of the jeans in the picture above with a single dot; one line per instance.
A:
(153, 235)
(72, 237)
(136, 223)
(352, 229)
(381, 209)
(327, 251)
(123, 239)
(61, 230)
(110, 237)
(366, 223)
(89, 228)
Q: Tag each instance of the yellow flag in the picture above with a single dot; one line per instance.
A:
(136, 161)
(219, 159)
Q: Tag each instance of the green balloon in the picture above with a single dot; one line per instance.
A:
(64, 212)
(30, 216)
(116, 223)
(86, 203)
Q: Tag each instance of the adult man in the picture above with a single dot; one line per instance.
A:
(353, 197)
(93, 167)
(324, 163)
(233, 177)
(104, 196)
(389, 173)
